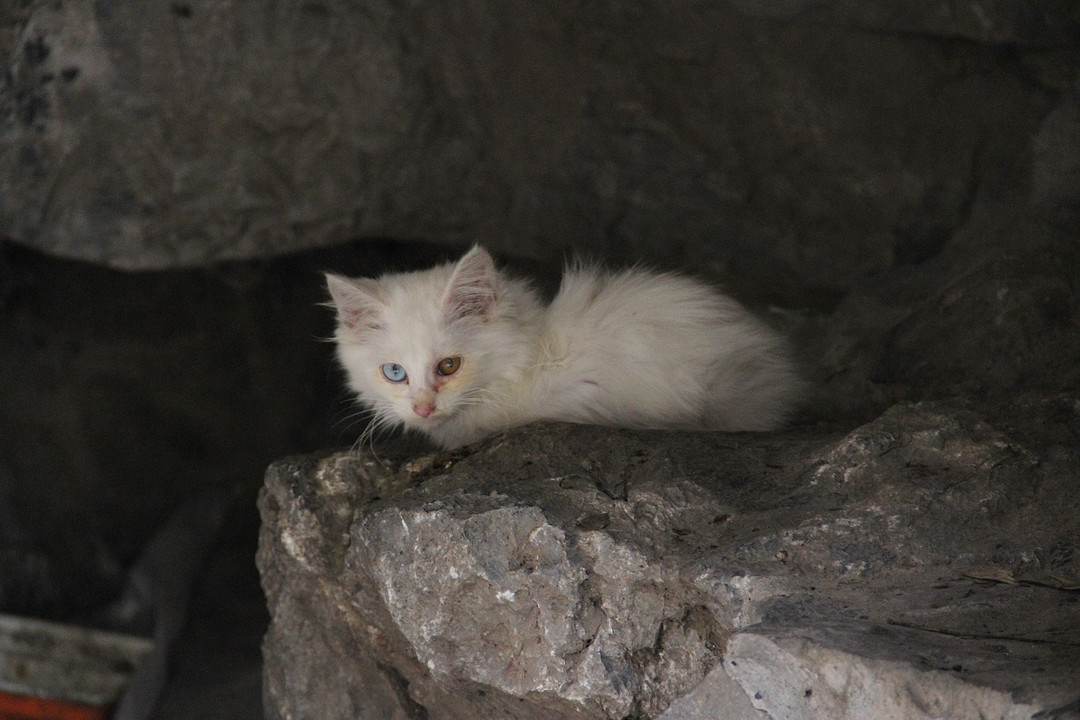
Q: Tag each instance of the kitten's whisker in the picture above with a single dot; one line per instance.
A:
(378, 419)
(349, 415)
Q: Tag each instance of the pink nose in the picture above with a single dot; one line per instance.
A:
(422, 410)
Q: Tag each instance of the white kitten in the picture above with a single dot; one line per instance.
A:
(462, 351)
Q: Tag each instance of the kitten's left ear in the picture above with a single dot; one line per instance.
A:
(471, 290)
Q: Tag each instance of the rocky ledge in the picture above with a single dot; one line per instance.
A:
(923, 565)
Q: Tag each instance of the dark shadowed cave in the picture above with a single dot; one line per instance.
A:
(897, 183)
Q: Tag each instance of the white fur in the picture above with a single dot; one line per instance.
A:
(632, 349)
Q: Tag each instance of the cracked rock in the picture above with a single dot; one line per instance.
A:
(563, 571)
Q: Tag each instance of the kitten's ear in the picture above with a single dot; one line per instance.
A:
(357, 302)
(471, 290)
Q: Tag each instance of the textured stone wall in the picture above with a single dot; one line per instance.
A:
(814, 142)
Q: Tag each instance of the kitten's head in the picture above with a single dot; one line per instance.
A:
(421, 348)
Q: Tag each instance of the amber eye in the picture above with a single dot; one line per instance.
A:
(448, 366)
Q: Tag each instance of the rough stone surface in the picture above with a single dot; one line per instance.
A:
(889, 571)
(813, 141)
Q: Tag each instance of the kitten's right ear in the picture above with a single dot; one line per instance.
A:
(358, 307)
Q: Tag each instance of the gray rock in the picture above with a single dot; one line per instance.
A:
(814, 142)
(993, 316)
(716, 697)
(793, 677)
(182, 133)
(1023, 24)
(564, 571)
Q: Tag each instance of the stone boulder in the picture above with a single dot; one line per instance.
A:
(810, 142)
(925, 564)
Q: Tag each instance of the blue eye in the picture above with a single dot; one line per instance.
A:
(394, 372)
